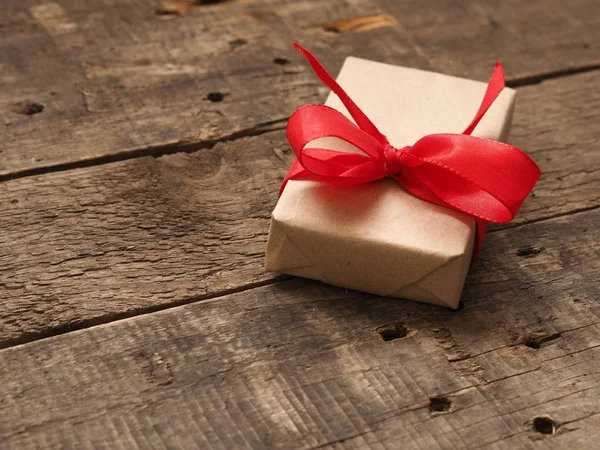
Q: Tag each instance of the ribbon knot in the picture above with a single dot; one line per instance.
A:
(485, 179)
(393, 158)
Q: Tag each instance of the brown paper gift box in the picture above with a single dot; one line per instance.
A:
(376, 237)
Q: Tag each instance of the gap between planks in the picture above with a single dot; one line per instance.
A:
(91, 323)
(539, 78)
(155, 151)
(256, 130)
(542, 219)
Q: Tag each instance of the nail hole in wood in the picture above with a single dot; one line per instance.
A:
(544, 425)
(586, 45)
(535, 341)
(166, 12)
(529, 251)
(27, 107)
(237, 43)
(215, 97)
(532, 344)
(439, 404)
(281, 61)
(14, 201)
(494, 23)
(392, 331)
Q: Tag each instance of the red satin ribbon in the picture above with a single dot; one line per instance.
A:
(486, 179)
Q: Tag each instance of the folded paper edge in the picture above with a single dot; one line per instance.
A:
(349, 60)
(505, 132)
(432, 298)
(279, 244)
(452, 300)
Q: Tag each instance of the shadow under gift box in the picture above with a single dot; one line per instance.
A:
(376, 237)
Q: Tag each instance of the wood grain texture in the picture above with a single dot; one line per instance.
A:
(116, 79)
(95, 244)
(300, 364)
(130, 236)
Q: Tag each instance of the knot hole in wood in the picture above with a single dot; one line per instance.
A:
(544, 425)
(215, 97)
(392, 331)
(439, 404)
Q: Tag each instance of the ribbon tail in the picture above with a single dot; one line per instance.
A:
(480, 228)
(357, 114)
(494, 87)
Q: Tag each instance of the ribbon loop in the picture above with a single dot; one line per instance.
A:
(486, 179)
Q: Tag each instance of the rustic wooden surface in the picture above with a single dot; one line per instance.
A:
(148, 233)
(301, 364)
(140, 157)
(116, 81)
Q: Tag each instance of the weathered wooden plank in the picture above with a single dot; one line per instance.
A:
(300, 364)
(94, 244)
(135, 235)
(455, 35)
(115, 79)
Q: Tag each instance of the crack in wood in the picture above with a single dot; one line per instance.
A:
(535, 340)
(157, 151)
(538, 78)
(543, 219)
(26, 338)
(341, 440)
(544, 338)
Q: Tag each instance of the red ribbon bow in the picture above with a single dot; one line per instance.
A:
(486, 179)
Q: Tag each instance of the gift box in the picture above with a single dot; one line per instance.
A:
(373, 235)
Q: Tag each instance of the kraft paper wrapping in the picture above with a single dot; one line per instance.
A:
(376, 237)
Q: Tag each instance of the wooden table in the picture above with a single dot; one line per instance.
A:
(142, 147)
